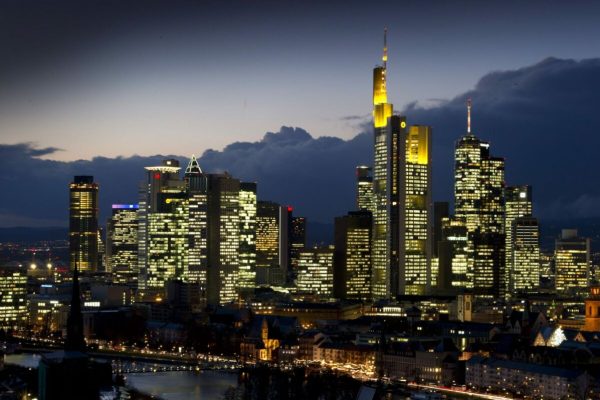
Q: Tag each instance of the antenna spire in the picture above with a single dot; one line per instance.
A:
(469, 115)
(384, 58)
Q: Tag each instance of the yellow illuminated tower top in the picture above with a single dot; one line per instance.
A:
(381, 109)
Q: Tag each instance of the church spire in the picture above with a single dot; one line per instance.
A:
(75, 340)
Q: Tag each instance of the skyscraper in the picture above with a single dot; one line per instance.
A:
(297, 239)
(522, 265)
(197, 199)
(479, 202)
(83, 224)
(167, 239)
(13, 297)
(525, 248)
(572, 263)
(315, 271)
(381, 251)
(441, 210)
(415, 217)
(271, 243)
(223, 238)
(454, 270)
(352, 256)
(364, 188)
(122, 243)
(157, 177)
(248, 208)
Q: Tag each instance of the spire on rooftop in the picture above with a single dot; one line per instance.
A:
(193, 167)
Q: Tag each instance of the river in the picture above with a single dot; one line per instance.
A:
(171, 385)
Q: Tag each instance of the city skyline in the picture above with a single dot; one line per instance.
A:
(397, 247)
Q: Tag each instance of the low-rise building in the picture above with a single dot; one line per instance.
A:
(524, 379)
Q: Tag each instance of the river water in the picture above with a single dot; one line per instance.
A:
(171, 385)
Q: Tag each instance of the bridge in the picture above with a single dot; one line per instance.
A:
(147, 362)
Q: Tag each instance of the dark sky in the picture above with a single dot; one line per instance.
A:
(113, 79)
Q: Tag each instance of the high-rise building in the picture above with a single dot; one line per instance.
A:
(453, 255)
(441, 210)
(122, 243)
(167, 239)
(297, 239)
(572, 263)
(381, 249)
(248, 208)
(223, 238)
(13, 297)
(272, 243)
(197, 199)
(479, 202)
(525, 261)
(165, 175)
(83, 224)
(352, 256)
(415, 217)
(364, 188)
(518, 203)
(315, 271)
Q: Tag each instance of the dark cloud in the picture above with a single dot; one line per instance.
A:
(543, 119)
(355, 117)
(314, 175)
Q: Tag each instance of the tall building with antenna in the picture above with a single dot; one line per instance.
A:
(479, 203)
(381, 251)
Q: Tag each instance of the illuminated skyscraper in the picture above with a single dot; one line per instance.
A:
(453, 255)
(364, 188)
(352, 256)
(415, 203)
(315, 271)
(297, 239)
(13, 297)
(248, 207)
(122, 243)
(521, 272)
(83, 224)
(381, 249)
(441, 211)
(223, 238)
(525, 248)
(271, 243)
(157, 178)
(479, 202)
(167, 239)
(572, 263)
(197, 198)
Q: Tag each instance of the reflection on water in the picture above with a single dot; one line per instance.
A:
(173, 385)
(183, 385)
(23, 360)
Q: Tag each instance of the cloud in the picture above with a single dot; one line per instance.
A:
(316, 175)
(355, 117)
(543, 119)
